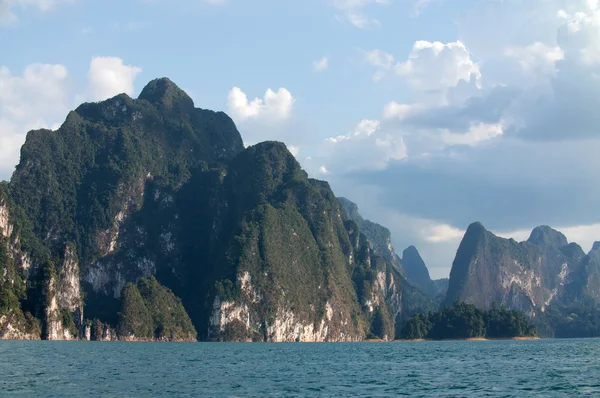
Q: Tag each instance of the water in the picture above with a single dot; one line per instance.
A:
(544, 368)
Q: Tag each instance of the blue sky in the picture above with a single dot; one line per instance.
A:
(429, 114)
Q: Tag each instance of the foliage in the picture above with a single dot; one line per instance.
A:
(151, 311)
(462, 321)
(577, 319)
(12, 293)
(71, 183)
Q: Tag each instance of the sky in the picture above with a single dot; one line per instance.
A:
(429, 114)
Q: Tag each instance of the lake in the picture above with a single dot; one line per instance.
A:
(443, 369)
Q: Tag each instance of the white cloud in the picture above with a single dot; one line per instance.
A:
(39, 98)
(108, 76)
(437, 233)
(477, 133)
(321, 64)
(537, 58)
(366, 147)
(435, 65)
(394, 110)
(323, 170)
(275, 106)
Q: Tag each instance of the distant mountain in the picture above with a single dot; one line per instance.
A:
(417, 271)
(147, 219)
(379, 236)
(541, 273)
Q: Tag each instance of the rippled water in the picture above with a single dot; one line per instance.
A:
(454, 368)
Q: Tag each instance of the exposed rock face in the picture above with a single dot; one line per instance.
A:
(12, 327)
(6, 227)
(417, 272)
(14, 322)
(64, 310)
(526, 276)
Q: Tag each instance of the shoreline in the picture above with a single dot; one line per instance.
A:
(520, 338)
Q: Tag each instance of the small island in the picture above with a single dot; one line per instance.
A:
(463, 321)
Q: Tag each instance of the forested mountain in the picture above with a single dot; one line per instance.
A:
(147, 219)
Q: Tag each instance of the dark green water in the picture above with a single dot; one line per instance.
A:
(543, 368)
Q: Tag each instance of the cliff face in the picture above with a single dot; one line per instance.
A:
(15, 323)
(64, 299)
(527, 276)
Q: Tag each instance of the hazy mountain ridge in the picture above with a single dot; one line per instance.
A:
(536, 276)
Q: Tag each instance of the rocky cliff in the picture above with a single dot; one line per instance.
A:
(527, 276)
(15, 322)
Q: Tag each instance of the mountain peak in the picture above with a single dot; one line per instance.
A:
(411, 250)
(414, 266)
(164, 93)
(475, 229)
(545, 235)
(596, 246)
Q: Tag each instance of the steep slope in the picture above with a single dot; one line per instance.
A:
(526, 276)
(379, 236)
(417, 271)
(15, 321)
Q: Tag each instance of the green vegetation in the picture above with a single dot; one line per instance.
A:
(71, 183)
(574, 320)
(150, 311)
(12, 293)
(462, 321)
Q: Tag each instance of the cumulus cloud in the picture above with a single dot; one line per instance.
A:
(366, 147)
(536, 58)
(435, 65)
(275, 106)
(109, 76)
(321, 64)
(38, 98)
